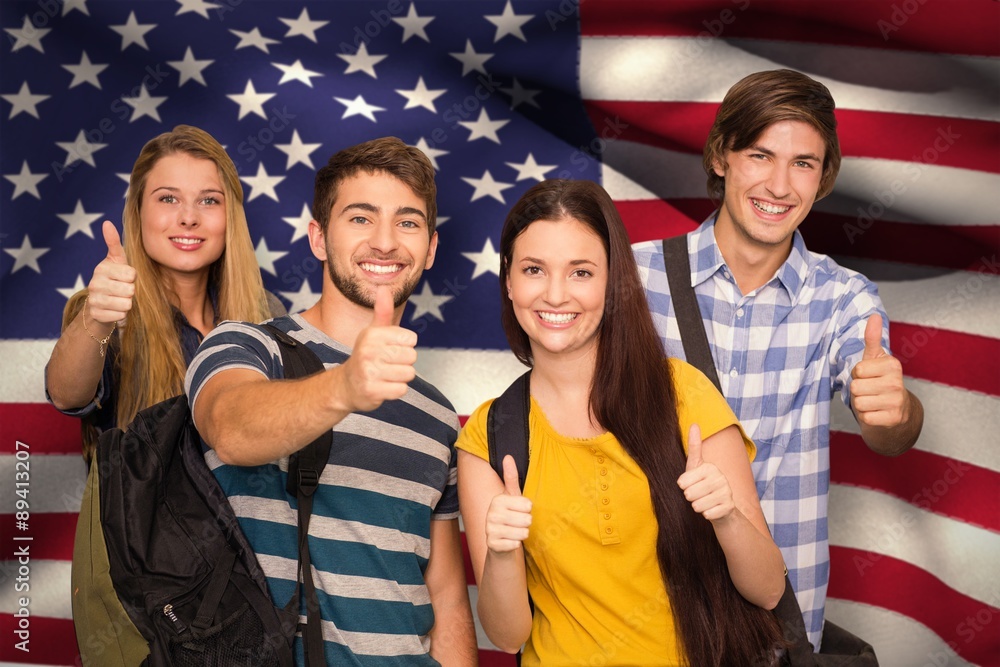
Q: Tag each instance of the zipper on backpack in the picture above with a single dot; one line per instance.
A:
(168, 611)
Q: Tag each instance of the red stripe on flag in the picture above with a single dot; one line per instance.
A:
(907, 25)
(949, 247)
(674, 126)
(52, 533)
(957, 359)
(964, 247)
(951, 142)
(470, 574)
(52, 641)
(684, 126)
(42, 427)
(487, 658)
(649, 219)
(496, 659)
(935, 483)
(875, 579)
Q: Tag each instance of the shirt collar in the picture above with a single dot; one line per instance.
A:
(793, 272)
(708, 259)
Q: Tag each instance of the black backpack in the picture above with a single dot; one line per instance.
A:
(162, 573)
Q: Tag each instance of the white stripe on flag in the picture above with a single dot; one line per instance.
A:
(962, 301)
(959, 554)
(57, 482)
(481, 639)
(903, 191)
(653, 173)
(689, 69)
(22, 366)
(50, 590)
(468, 377)
(899, 638)
(947, 411)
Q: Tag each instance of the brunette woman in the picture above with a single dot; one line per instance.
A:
(639, 536)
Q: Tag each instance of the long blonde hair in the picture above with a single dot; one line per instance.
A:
(151, 364)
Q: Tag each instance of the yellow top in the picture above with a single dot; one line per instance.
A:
(591, 559)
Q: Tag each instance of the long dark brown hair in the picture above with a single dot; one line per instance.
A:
(715, 624)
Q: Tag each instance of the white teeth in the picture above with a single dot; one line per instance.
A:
(378, 268)
(557, 318)
(186, 241)
(769, 208)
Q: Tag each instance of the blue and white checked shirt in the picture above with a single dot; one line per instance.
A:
(781, 352)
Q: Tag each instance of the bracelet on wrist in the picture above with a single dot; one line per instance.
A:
(103, 342)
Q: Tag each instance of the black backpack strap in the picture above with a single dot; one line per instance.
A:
(507, 427)
(507, 433)
(798, 650)
(839, 646)
(304, 470)
(693, 337)
(678, 265)
(216, 588)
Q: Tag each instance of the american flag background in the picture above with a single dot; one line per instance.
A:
(501, 94)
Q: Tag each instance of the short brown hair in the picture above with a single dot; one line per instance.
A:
(760, 100)
(387, 154)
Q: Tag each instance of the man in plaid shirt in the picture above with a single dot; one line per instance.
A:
(788, 328)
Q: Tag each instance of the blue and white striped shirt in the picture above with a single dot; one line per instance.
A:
(781, 352)
(390, 472)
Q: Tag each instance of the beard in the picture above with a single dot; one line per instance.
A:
(357, 292)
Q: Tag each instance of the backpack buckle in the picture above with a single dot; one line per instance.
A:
(308, 481)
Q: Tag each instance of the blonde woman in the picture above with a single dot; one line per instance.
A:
(187, 263)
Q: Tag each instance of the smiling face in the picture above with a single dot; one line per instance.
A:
(770, 187)
(183, 214)
(557, 283)
(377, 235)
